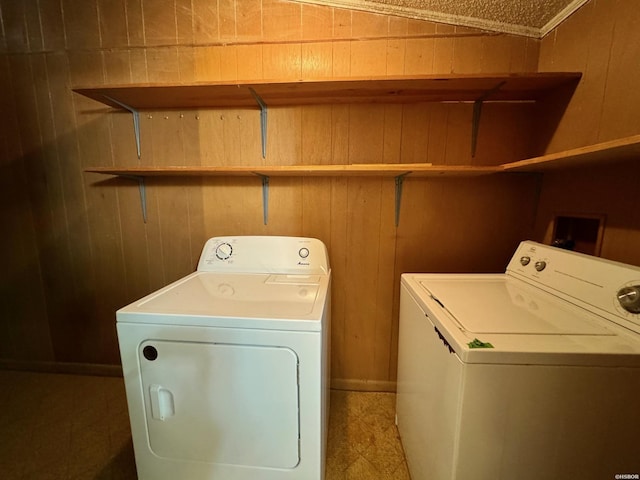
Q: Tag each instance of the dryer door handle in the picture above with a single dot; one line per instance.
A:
(162, 406)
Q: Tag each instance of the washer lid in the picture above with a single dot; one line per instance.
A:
(203, 297)
(495, 304)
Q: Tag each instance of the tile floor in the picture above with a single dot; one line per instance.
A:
(74, 427)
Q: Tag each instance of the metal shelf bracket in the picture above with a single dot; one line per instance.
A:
(477, 112)
(399, 181)
(136, 120)
(143, 193)
(263, 121)
(265, 197)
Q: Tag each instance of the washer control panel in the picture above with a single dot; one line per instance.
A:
(264, 254)
(609, 288)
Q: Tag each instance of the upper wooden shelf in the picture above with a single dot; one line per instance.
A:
(362, 170)
(395, 89)
(611, 151)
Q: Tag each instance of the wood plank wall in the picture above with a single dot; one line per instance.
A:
(605, 106)
(75, 246)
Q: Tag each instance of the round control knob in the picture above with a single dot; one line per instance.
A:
(629, 298)
(303, 252)
(224, 251)
(540, 265)
(524, 261)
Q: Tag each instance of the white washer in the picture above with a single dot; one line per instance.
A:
(227, 370)
(555, 395)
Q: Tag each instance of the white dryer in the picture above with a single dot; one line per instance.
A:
(227, 370)
(531, 374)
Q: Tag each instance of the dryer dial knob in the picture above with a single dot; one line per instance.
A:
(303, 252)
(224, 251)
(540, 265)
(524, 261)
(629, 298)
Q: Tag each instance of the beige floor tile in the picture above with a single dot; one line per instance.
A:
(361, 469)
(363, 438)
(402, 472)
(70, 427)
(385, 454)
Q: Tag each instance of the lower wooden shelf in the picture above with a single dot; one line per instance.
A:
(373, 170)
(397, 170)
(614, 150)
(605, 152)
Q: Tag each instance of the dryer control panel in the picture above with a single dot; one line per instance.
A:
(265, 254)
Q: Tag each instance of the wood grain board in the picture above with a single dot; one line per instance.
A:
(358, 170)
(603, 153)
(433, 88)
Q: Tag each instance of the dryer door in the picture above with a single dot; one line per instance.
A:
(221, 403)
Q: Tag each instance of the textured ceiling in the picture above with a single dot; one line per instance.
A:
(531, 18)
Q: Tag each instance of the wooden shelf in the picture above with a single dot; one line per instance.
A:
(393, 89)
(605, 152)
(401, 89)
(397, 170)
(611, 151)
(364, 170)
(398, 89)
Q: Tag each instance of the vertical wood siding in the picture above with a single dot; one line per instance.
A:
(75, 246)
(605, 106)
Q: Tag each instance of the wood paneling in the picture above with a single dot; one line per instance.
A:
(604, 108)
(15, 36)
(25, 329)
(611, 193)
(81, 24)
(135, 22)
(113, 23)
(81, 237)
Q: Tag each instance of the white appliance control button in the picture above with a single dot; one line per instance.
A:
(303, 252)
(224, 251)
(524, 261)
(540, 265)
